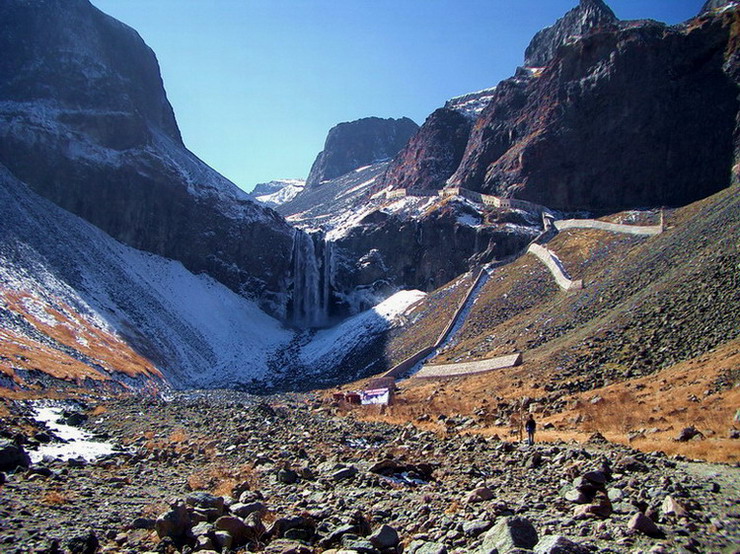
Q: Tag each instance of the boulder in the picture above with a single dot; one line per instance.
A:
(671, 507)
(511, 532)
(84, 544)
(344, 473)
(424, 547)
(600, 507)
(236, 528)
(477, 527)
(175, 523)
(481, 494)
(12, 456)
(209, 505)
(287, 476)
(243, 510)
(643, 524)
(689, 433)
(384, 537)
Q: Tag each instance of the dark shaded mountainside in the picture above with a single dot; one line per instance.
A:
(85, 123)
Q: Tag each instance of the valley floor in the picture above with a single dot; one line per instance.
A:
(290, 474)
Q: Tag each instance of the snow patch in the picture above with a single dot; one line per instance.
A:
(330, 346)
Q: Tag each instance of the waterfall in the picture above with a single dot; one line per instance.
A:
(312, 260)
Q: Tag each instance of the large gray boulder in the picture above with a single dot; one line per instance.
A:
(509, 533)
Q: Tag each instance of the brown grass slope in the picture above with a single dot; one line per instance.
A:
(650, 305)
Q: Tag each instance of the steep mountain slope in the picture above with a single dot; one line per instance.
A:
(278, 192)
(117, 303)
(76, 304)
(588, 16)
(648, 303)
(649, 347)
(84, 121)
(370, 244)
(432, 154)
(664, 98)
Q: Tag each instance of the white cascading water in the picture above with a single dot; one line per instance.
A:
(311, 283)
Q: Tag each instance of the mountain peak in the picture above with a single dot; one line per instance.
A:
(357, 143)
(587, 16)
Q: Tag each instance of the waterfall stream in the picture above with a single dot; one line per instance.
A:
(312, 261)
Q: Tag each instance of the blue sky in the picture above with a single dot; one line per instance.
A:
(257, 84)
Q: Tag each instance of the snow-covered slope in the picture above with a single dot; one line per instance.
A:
(472, 103)
(194, 329)
(85, 122)
(75, 304)
(276, 193)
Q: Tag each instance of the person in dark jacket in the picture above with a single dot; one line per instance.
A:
(530, 426)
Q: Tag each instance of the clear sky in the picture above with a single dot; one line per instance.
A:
(257, 84)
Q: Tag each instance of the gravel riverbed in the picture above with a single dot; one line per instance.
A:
(229, 472)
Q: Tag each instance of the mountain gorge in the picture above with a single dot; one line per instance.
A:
(181, 363)
(605, 115)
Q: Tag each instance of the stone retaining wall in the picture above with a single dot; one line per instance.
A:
(487, 199)
(553, 265)
(414, 359)
(563, 224)
(469, 368)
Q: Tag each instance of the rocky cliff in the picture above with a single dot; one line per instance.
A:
(588, 16)
(359, 143)
(432, 154)
(635, 116)
(606, 115)
(716, 5)
(85, 121)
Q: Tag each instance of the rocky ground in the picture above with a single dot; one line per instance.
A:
(232, 472)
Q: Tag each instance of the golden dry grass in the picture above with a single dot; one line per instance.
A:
(62, 324)
(56, 498)
(221, 480)
(178, 436)
(98, 410)
(662, 404)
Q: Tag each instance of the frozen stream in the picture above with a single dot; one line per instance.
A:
(78, 443)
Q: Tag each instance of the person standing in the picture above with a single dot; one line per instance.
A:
(530, 426)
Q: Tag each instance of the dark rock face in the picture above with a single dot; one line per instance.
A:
(359, 143)
(643, 115)
(76, 57)
(581, 20)
(388, 251)
(432, 154)
(85, 122)
(12, 456)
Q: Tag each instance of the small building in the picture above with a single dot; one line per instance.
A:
(379, 391)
